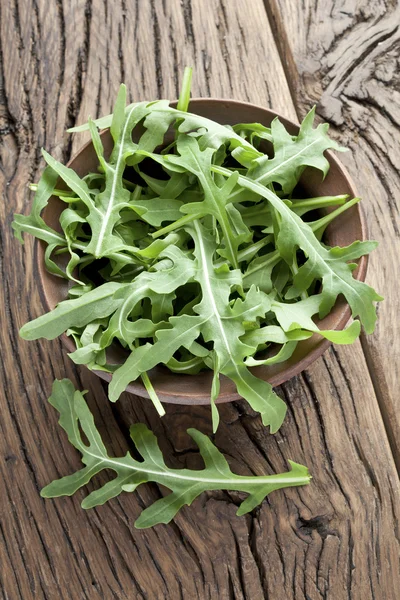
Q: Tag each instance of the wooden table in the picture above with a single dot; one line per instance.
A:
(337, 538)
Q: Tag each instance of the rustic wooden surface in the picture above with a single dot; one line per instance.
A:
(339, 537)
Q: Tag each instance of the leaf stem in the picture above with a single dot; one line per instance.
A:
(319, 201)
(320, 225)
(295, 269)
(184, 96)
(152, 394)
(175, 225)
(56, 192)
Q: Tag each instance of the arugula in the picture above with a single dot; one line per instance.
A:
(292, 155)
(210, 133)
(330, 265)
(219, 323)
(36, 226)
(190, 247)
(184, 484)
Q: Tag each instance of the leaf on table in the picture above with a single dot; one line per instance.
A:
(184, 484)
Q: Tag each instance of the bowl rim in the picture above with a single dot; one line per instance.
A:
(276, 379)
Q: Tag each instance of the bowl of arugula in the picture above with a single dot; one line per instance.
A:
(200, 252)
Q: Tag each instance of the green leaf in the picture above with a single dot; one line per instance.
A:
(214, 315)
(213, 134)
(118, 116)
(251, 131)
(105, 215)
(188, 367)
(284, 353)
(184, 484)
(34, 223)
(158, 210)
(274, 334)
(78, 312)
(77, 185)
(166, 188)
(198, 162)
(298, 316)
(291, 156)
(159, 286)
(259, 271)
(224, 326)
(327, 264)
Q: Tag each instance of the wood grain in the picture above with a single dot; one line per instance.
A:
(339, 537)
(344, 57)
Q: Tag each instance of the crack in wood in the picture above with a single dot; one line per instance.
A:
(286, 57)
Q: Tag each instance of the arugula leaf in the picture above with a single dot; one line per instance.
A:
(73, 313)
(158, 210)
(34, 223)
(291, 156)
(159, 286)
(223, 325)
(184, 484)
(299, 315)
(327, 264)
(252, 131)
(182, 331)
(105, 213)
(214, 136)
(198, 162)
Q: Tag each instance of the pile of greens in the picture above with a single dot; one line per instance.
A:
(190, 246)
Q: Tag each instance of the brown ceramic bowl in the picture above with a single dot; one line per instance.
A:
(195, 389)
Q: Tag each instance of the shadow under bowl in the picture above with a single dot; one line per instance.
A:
(345, 229)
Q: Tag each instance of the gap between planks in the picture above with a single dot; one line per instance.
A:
(390, 433)
(291, 73)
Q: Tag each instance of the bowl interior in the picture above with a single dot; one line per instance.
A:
(195, 389)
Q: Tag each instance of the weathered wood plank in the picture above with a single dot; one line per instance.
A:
(347, 57)
(61, 63)
(324, 540)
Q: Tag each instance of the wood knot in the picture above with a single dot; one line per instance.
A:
(320, 524)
